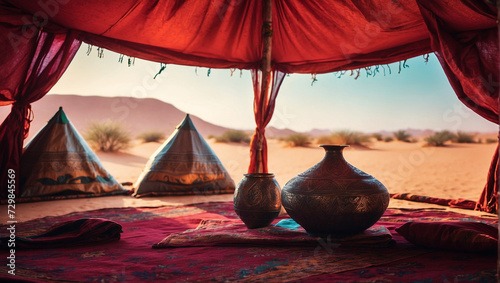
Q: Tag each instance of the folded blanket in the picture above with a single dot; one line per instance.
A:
(285, 233)
(69, 234)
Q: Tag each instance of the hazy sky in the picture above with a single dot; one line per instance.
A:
(418, 97)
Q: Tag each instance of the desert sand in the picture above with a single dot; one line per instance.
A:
(455, 171)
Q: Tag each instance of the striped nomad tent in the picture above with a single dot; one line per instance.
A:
(184, 165)
(58, 163)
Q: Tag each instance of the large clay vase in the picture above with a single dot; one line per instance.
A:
(257, 199)
(334, 198)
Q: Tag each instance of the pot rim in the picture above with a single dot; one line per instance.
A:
(261, 175)
(333, 146)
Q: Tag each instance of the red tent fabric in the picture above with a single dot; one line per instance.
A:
(32, 61)
(264, 102)
(469, 54)
(307, 37)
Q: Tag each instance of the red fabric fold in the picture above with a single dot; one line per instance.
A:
(31, 64)
(69, 234)
(263, 109)
(488, 201)
(468, 51)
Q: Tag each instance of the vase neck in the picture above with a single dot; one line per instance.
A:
(334, 148)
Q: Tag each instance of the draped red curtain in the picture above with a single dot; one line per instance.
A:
(263, 106)
(464, 35)
(31, 62)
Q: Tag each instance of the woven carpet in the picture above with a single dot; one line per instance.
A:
(133, 258)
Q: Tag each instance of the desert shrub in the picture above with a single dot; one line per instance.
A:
(151, 136)
(490, 140)
(344, 137)
(439, 138)
(108, 136)
(402, 135)
(298, 139)
(378, 136)
(388, 139)
(233, 136)
(462, 137)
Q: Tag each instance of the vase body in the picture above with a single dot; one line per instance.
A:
(334, 198)
(257, 199)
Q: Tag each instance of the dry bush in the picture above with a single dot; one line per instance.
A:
(108, 136)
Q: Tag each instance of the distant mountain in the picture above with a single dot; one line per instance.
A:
(273, 132)
(137, 115)
(144, 114)
(319, 132)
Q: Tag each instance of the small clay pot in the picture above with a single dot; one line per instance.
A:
(257, 199)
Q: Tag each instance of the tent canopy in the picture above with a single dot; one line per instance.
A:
(308, 36)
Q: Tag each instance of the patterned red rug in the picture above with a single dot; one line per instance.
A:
(133, 259)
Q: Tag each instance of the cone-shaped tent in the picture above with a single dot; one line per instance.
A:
(184, 165)
(58, 161)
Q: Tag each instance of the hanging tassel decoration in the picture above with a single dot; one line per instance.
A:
(368, 71)
(426, 57)
(241, 73)
(162, 67)
(120, 59)
(358, 73)
(196, 70)
(209, 71)
(100, 52)
(314, 79)
(405, 65)
(131, 61)
(232, 70)
(89, 49)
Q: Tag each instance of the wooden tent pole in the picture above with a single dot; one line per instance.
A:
(265, 67)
